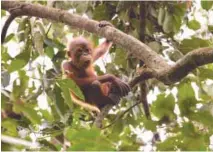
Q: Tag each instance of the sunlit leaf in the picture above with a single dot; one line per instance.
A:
(20, 60)
(101, 13)
(81, 139)
(207, 5)
(205, 73)
(54, 43)
(164, 106)
(4, 54)
(38, 41)
(19, 88)
(29, 112)
(188, 45)
(9, 127)
(3, 13)
(47, 115)
(150, 125)
(194, 25)
(168, 23)
(170, 144)
(186, 98)
(59, 100)
(204, 117)
(16, 65)
(9, 37)
(70, 84)
(161, 15)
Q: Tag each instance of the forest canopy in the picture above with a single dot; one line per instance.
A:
(163, 50)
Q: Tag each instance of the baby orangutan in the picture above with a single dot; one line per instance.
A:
(98, 90)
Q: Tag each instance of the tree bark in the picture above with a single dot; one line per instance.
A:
(158, 67)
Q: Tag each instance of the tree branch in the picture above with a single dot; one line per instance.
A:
(157, 67)
(182, 67)
(145, 74)
(134, 46)
(186, 64)
(5, 27)
(143, 98)
(100, 117)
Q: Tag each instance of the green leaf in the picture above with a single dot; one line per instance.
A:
(194, 25)
(170, 144)
(23, 23)
(18, 89)
(3, 13)
(135, 23)
(9, 37)
(41, 27)
(4, 100)
(164, 106)
(188, 129)
(149, 27)
(9, 127)
(195, 143)
(49, 51)
(20, 60)
(59, 101)
(81, 140)
(16, 65)
(54, 43)
(177, 20)
(161, 15)
(4, 54)
(70, 84)
(38, 42)
(98, 70)
(29, 112)
(168, 23)
(178, 14)
(205, 73)
(73, 134)
(186, 98)
(150, 124)
(188, 45)
(210, 27)
(207, 5)
(203, 117)
(81, 7)
(101, 13)
(47, 115)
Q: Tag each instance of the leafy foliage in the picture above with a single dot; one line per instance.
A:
(36, 99)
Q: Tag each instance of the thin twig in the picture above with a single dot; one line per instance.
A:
(121, 115)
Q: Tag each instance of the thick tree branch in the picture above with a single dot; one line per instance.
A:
(134, 46)
(160, 69)
(175, 73)
(186, 64)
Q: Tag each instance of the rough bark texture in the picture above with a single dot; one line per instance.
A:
(138, 49)
(160, 69)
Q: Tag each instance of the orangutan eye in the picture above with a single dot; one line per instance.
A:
(80, 50)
